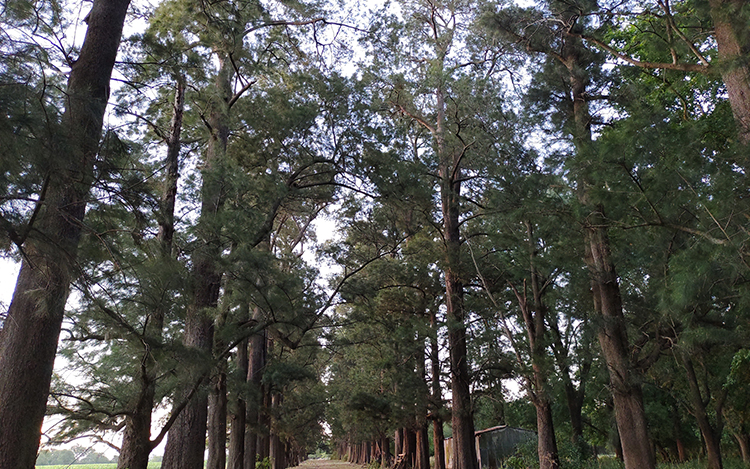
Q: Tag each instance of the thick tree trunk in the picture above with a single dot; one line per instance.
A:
(136, 439)
(186, 439)
(546, 442)
(264, 424)
(136, 444)
(535, 321)
(237, 419)
(733, 41)
(276, 450)
(423, 448)
(573, 396)
(422, 444)
(410, 446)
(626, 388)
(575, 411)
(28, 340)
(464, 452)
(398, 438)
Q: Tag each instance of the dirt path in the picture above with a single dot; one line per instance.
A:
(327, 464)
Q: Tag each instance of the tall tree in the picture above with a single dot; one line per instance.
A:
(434, 88)
(569, 53)
(28, 340)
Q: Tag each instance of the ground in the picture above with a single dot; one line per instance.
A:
(327, 464)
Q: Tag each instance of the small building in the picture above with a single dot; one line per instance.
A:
(493, 445)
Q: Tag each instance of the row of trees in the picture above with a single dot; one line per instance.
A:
(586, 207)
(553, 194)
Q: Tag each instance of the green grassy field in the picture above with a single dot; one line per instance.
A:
(151, 465)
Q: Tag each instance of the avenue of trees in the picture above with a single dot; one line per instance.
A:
(541, 212)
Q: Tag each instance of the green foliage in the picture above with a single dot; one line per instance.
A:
(525, 458)
(265, 463)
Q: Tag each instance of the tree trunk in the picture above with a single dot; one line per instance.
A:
(573, 396)
(136, 444)
(385, 448)
(238, 416)
(464, 453)
(276, 450)
(437, 396)
(546, 442)
(264, 424)
(217, 423)
(237, 419)
(711, 435)
(626, 389)
(256, 362)
(733, 41)
(28, 340)
(410, 446)
(398, 438)
(187, 437)
(423, 448)
(535, 322)
(743, 440)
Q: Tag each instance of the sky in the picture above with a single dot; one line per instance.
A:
(8, 274)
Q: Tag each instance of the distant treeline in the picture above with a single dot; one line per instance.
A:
(76, 455)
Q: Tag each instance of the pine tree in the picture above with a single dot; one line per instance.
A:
(30, 333)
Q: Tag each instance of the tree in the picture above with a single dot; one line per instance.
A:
(434, 88)
(28, 340)
(567, 51)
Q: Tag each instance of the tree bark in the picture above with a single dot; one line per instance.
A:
(423, 448)
(464, 454)
(733, 41)
(385, 448)
(28, 340)
(624, 380)
(264, 424)
(136, 440)
(546, 442)
(410, 446)
(573, 396)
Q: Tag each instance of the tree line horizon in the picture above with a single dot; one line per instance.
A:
(553, 193)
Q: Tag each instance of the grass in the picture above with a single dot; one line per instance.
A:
(151, 465)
